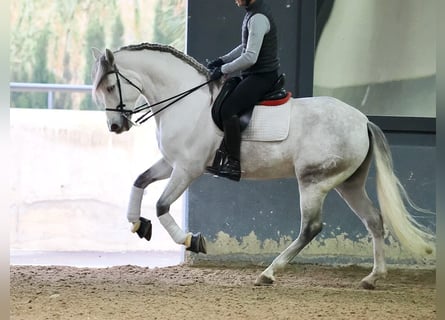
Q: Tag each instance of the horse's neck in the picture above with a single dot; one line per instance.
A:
(164, 76)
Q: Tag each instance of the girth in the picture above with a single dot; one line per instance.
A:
(276, 96)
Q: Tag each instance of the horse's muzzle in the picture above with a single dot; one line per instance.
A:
(116, 128)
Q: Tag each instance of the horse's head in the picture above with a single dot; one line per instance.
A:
(114, 90)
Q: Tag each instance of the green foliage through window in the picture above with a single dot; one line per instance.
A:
(51, 41)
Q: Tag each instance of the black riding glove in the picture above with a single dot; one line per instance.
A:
(215, 64)
(216, 74)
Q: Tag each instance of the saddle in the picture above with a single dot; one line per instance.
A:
(276, 96)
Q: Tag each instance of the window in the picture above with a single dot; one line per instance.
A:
(379, 56)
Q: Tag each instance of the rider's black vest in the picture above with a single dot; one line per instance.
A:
(268, 56)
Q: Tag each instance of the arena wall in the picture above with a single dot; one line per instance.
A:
(72, 179)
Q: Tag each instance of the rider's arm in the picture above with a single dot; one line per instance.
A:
(232, 55)
(258, 26)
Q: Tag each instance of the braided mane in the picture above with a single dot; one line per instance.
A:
(166, 48)
(101, 67)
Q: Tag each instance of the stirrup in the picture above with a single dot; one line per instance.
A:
(229, 170)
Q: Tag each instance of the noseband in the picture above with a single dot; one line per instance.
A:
(147, 115)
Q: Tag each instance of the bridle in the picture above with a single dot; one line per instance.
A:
(121, 106)
(148, 114)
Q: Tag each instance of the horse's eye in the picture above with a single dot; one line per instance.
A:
(110, 88)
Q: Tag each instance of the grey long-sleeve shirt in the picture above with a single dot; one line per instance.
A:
(239, 60)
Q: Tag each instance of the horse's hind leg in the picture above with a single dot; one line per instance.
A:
(311, 202)
(354, 193)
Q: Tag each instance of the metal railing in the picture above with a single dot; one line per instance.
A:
(48, 87)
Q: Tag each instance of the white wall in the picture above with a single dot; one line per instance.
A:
(72, 179)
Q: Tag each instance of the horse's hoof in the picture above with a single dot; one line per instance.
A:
(366, 285)
(262, 280)
(135, 227)
(144, 230)
(198, 243)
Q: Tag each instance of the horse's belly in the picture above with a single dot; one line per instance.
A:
(262, 160)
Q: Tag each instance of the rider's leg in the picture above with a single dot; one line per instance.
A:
(232, 137)
(244, 96)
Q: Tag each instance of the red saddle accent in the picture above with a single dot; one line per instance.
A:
(276, 102)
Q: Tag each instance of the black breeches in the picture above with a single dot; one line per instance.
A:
(247, 93)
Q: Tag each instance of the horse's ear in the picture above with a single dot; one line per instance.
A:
(109, 56)
(96, 53)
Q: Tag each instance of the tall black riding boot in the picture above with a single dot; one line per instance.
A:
(231, 169)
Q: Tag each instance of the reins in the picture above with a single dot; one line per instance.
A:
(177, 97)
(149, 114)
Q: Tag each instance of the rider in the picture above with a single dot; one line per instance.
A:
(256, 58)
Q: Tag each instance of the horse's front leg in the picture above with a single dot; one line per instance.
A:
(179, 181)
(159, 171)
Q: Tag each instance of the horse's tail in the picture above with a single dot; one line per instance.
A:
(392, 197)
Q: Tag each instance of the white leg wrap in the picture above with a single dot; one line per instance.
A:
(134, 206)
(172, 228)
